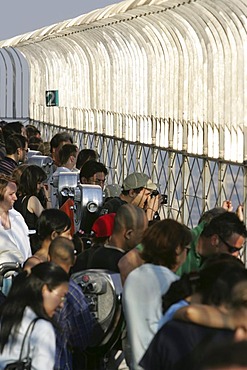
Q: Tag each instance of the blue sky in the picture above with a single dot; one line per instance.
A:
(21, 16)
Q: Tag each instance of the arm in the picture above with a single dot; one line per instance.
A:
(43, 346)
(129, 262)
(76, 319)
(34, 206)
(153, 205)
(240, 212)
(205, 315)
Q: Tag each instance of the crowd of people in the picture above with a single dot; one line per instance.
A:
(184, 291)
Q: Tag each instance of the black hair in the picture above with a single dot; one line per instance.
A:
(59, 138)
(85, 155)
(225, 225)
(36, 143)
(12, 128)
(31, 176)
(219, 275)
(66, 151)
(50, 220)
(90, 168)
(180, 289)
(26, 291)
(227, 355)
(211, 213)
(214, 282)
(13, 142)
(32, 131)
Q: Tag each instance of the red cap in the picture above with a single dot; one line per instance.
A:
(103, 226)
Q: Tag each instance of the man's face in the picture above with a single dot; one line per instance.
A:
(232, 245)
(214, 244)
(23, 154)
(97, 179)
(140, 199)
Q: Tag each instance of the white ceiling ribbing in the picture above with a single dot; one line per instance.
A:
(182, 62)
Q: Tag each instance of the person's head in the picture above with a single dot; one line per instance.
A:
(52, 223)
(57, 141)
(228, 355)
(86, 155)
(68, 155)
(180, 289)
(224, 233)
(211, 213)
(165, 243)
(8, 191)
(212, 285)
(17, 172)
(32, 132)
(129, 226)
(16, 146)
(31, 180)
(11, 128)
(94, 173)
(136, 188)
(43, 289)
(102, 228)
(218, 277)
(62, 252)
(36, 143)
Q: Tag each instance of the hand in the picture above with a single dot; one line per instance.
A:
(154, 202)
(227, 205)
(240, 212)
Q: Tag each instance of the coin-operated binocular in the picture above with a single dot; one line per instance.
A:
(31, 153)
(103, 292)
(87, 199)
(44, 162)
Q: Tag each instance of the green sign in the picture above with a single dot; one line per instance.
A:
(51, 98)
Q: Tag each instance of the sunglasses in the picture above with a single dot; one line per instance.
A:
(231, 249)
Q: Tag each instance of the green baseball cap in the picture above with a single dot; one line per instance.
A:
(138, 180)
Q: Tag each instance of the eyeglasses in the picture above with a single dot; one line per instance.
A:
(62, 298)
(231, 248)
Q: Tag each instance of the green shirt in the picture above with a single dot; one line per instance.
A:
(193, 260)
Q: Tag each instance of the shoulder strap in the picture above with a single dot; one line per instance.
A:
(28, 331)
(24, 203)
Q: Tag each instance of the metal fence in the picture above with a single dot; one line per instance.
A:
(193, 184)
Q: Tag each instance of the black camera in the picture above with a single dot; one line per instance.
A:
(164, 196)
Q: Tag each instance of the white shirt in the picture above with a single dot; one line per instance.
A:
(142, 306)
(42, 344)
(14, 242)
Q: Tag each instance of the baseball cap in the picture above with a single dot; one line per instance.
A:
(103, 226)
(138, 180)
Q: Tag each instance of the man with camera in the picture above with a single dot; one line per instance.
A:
(139, 190)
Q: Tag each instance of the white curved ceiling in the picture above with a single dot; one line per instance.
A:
(178, 68)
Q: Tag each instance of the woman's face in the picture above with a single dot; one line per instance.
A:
(54, 299)
(9, 196)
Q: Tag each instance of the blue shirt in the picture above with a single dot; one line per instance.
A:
(75, 326)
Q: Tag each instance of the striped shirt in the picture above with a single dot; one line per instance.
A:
(7, 166)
